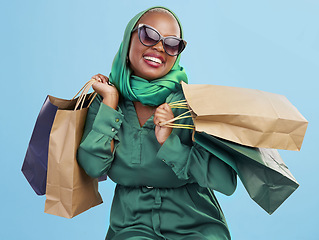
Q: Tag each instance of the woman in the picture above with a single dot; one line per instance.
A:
(164, 180)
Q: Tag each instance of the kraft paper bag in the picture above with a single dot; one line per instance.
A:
(263, 173)
(246, 116)
(69, 191)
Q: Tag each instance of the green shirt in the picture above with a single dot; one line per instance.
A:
(163, 191)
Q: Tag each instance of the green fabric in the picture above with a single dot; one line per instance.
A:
(181, 174)
(262, 171)
(188, 212)
(135, 88)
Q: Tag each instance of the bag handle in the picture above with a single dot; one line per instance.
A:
(83, 92)
(183, 105)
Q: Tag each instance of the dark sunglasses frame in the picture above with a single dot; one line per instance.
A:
(161, 38)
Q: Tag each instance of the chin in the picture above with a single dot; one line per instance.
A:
(150, 76)
(154, 75)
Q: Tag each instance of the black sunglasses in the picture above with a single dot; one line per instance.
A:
(149, 37)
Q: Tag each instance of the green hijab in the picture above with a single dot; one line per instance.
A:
(135, 88)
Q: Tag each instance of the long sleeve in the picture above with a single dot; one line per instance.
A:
(197, 164)
(102, 124)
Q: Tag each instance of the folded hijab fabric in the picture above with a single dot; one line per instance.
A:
(135, 88)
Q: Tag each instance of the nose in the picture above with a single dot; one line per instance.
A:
(159, 46)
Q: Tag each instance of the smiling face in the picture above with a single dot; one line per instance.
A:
(153, 62)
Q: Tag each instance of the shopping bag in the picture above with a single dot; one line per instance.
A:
(263, 173)
(35, 162)
(69, 190)
(246, 116)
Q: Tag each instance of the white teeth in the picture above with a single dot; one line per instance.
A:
(154, 59)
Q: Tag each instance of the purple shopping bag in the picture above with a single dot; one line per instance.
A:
(35, 162)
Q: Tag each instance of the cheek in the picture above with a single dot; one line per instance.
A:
(131, 53)
(171, 61)
(134, 47)
(136, 52)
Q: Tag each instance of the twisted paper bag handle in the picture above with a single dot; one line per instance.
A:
(183, 105)
(83, 92)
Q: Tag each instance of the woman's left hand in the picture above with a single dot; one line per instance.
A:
(162, 114)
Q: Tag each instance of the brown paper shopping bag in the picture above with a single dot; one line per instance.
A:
(70, 191)
(246, 116)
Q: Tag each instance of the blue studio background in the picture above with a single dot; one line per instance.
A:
(54, 47)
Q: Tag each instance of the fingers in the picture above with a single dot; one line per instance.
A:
(162, 114)
(101, 78)
(165, 110)
(103, 87)
(97, 78)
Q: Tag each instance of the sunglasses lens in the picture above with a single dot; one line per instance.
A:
(173, 46)
(148, 36)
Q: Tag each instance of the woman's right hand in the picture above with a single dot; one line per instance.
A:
(108, 92)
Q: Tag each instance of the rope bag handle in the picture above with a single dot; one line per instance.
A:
(182, 104)
(83, 93)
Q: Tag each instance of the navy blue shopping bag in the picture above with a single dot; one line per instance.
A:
(35, 162)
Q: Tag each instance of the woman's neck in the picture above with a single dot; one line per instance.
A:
(143, 112)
